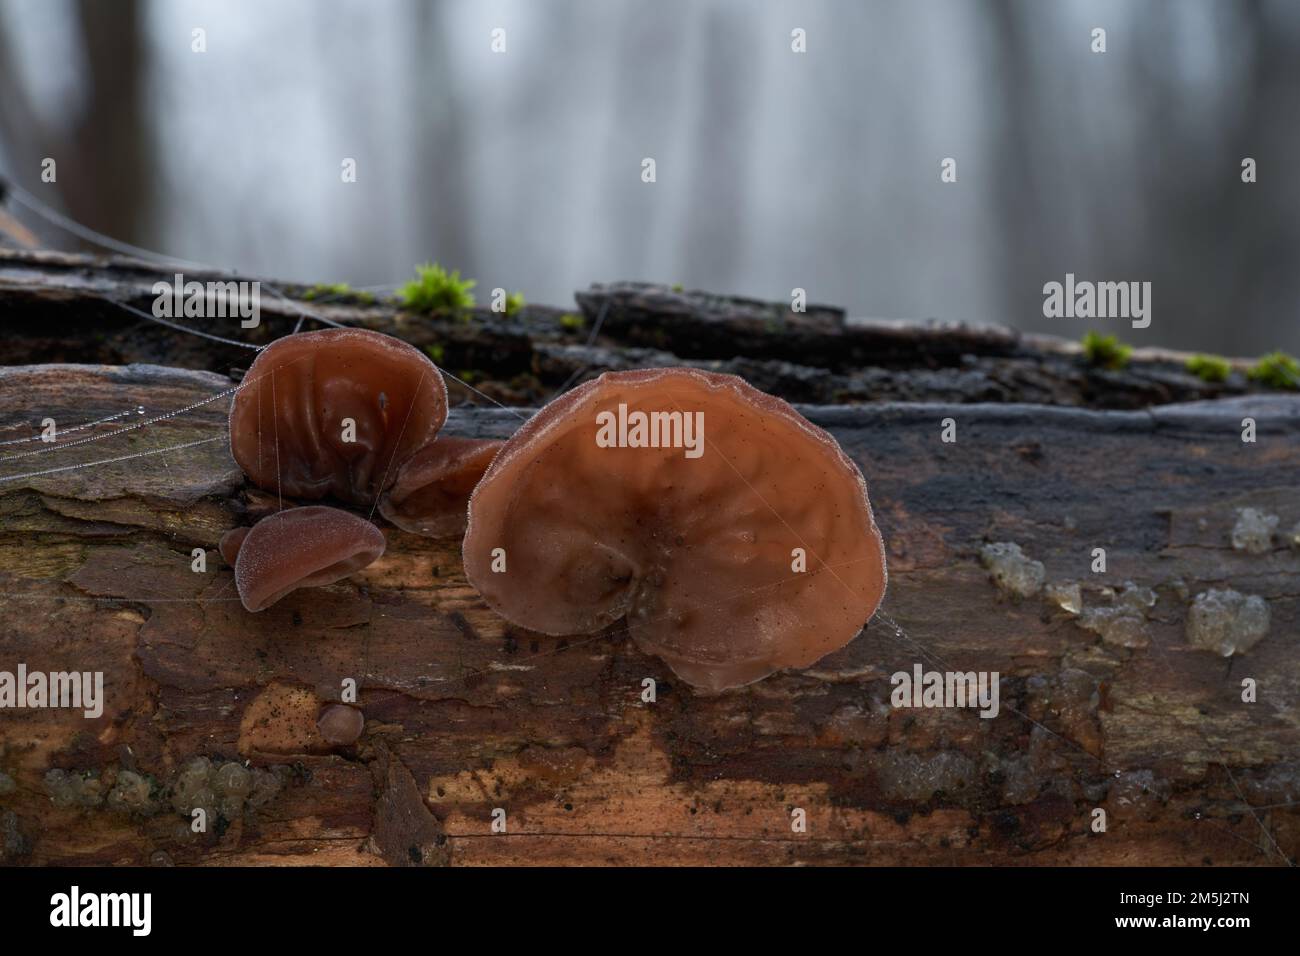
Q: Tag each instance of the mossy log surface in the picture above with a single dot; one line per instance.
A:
(466, 714)
(61, 307)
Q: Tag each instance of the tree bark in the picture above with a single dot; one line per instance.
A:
(61, 307)
(467, 715)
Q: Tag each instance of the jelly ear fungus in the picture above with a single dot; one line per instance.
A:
(431, 494)
(733, 553)
(302, 547)
(335, 413)
(230, 544)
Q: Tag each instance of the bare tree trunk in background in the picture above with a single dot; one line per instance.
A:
(1219, 253)
(24, 140)
(1258, 232)
(19, 128)
(1201, 241)
(722, 150)
(647, 59)
(106, 181)
(1020, 186)
(441, 189)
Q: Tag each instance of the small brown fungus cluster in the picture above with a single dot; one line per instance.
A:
(352, 415)
(733, 535)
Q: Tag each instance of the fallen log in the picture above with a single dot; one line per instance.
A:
(63, 307)
(472, 722)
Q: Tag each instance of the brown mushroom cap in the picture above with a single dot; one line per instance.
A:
(696, 552)
(431, 494)
(340, 724)
(302, 548)
(287, 420)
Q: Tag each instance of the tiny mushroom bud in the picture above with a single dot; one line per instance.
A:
(735, 536)
(431, 494)
(335, 413)
(302, 548)
(340, 724)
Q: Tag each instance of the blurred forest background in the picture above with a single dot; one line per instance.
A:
(774, 169)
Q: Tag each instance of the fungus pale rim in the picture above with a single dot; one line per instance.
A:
(557, 418)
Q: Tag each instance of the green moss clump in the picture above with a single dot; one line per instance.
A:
(514, 303)
(677, 287)
(435, 352)
(572, 322)
(336, 290)
(1105, 351)
(1209, 368)
(321, 290)
(434, 289)
(1276, 370)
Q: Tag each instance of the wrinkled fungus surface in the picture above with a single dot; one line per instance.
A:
(693, 540)
(1227, 622)
(335, 413)
(300, 548)
(431, 494)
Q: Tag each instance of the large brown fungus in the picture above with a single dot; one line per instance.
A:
(300, 548)
(335, 413)
(431, 494)
(734, 535)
